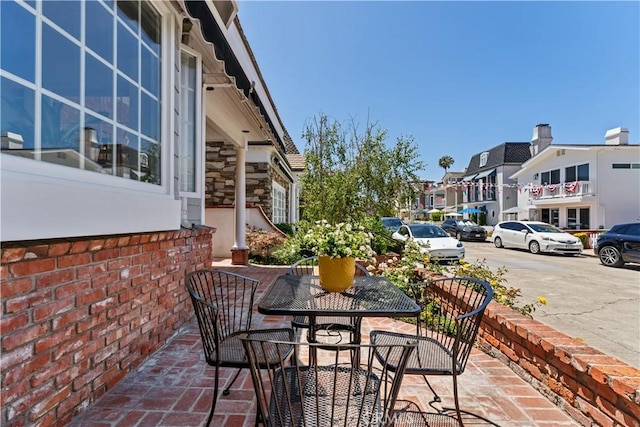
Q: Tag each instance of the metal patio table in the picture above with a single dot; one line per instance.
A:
(370, 296)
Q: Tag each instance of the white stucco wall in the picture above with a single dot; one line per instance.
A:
(36, 206)
(223, 217)
(616, 192)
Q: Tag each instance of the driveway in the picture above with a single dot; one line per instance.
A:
(586, 300)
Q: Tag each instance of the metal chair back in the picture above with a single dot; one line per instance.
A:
(331, 392)
(452, 310)
(223, 303)
(304, 267)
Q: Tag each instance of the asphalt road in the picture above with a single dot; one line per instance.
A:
(586, 300)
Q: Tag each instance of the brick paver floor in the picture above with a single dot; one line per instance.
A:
(175, 386)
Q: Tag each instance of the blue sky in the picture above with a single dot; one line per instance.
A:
(460, 77)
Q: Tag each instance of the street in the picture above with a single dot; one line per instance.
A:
(586, 300)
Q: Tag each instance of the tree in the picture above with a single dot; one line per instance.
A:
(350, 174)
(445, 162)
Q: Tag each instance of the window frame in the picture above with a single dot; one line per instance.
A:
(68, 202)
(484, 157)
(625, 165)
(278, 212)
(553, 177)
(199, 126)
(35, 166)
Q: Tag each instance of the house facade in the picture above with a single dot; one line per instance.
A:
(446, 195)
(582, 186)
(487, 184)
(120, 123)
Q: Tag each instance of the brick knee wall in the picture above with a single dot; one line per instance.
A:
(592, 387)
(78, 314)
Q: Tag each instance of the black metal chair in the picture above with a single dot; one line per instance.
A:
(333, 325)
(452, 310)
(331, 392)
(223, 304)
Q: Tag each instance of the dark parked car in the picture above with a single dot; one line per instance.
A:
(464, 229)
(619, 245)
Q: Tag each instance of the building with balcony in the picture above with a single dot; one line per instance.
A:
(581, 186)
(487, 184)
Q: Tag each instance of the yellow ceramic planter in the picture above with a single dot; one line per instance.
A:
(336, 274)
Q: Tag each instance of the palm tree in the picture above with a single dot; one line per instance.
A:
(445, 162)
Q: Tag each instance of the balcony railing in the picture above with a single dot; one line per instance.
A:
(473, 197)
(568, 189)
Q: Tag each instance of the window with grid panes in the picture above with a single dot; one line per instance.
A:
(99, 108)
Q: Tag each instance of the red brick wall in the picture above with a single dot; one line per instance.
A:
(78, 314)
(595, 389)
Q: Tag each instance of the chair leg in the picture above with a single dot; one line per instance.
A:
(436, 398)
(215, 396)
(455, 398)
(235, 377)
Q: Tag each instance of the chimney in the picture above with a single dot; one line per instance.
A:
(541, 138)
(617, 136)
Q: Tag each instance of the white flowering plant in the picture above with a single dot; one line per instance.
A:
(339, 240)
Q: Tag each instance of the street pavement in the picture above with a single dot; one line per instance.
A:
(586, 300)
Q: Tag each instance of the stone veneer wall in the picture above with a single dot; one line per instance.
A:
(78, 314)
(220, 173)
(220, 179)
(259, 186)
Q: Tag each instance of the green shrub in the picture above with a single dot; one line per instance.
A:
(436, 216)
(506, 295)
(584, 238)
(286, 228)
(403, 270)
(381, 241)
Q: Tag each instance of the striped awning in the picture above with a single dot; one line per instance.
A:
(485, 173)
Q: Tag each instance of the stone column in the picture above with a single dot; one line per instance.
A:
(239, 251)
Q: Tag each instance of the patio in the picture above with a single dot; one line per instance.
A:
(173, 387)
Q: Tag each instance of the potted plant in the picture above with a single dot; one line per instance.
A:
(337, 247)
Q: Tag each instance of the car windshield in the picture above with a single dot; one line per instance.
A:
(545, 228)
(427, 232)
(465, 223)
(391, 222)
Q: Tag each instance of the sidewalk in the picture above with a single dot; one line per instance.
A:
(174, 387)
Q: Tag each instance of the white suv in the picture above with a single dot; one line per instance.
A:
(535, 236)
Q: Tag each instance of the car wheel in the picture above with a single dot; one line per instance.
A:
(459, 236)
(610, 256)
(534, 247)
(498, 242)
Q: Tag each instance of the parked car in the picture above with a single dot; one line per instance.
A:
(536, 236)
(464, 229)
(433, 241)
(391, 223)
(619, 245)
